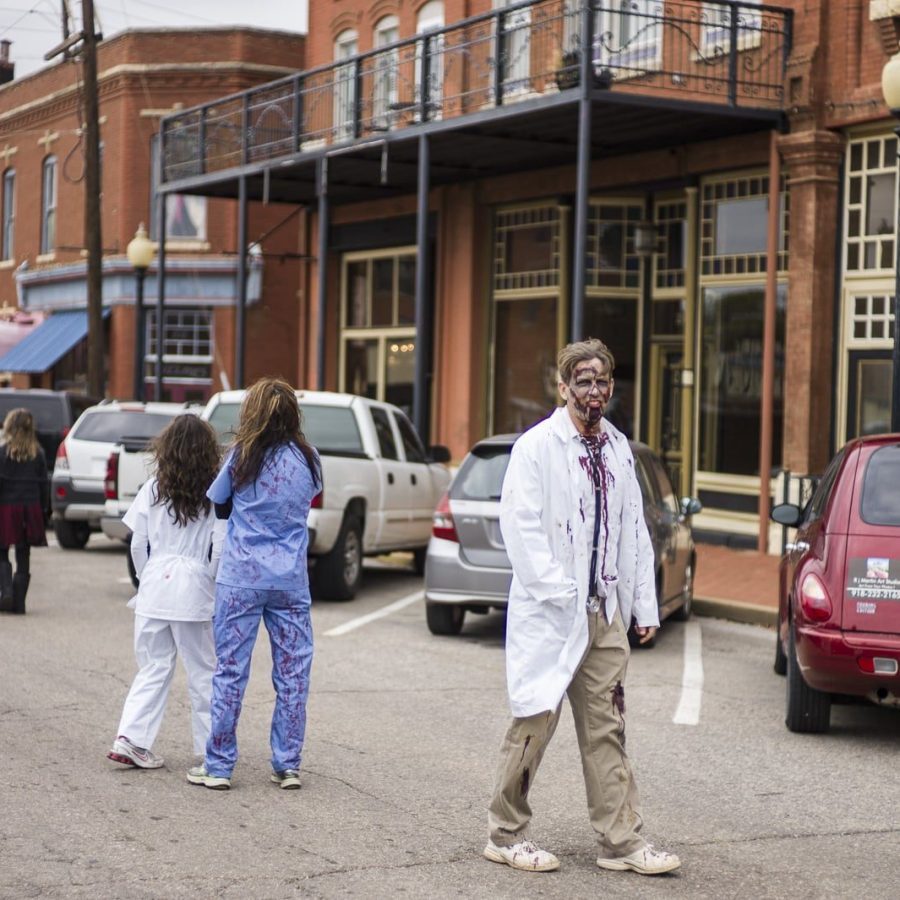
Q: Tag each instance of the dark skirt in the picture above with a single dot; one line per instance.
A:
(22, 523)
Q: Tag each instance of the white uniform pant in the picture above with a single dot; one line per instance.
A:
(156, 644)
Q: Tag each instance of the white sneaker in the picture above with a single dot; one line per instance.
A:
(129, 754)
(645, 861)
(199, 775)
(525, 855)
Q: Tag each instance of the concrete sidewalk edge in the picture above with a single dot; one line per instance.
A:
(735, 611)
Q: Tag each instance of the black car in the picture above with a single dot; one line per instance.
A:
(466, 566)
(54, 413)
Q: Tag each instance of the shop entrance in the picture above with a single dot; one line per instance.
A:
(665, 427)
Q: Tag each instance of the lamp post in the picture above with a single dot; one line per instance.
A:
(140, 252)
(890, 87)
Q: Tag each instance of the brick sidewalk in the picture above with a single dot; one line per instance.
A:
(739, 580)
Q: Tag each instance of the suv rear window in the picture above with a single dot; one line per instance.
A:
(480, 477)
(110, 427)
(880, 497)
(49, 412)
(329, 429)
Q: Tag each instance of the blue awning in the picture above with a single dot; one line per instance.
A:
(48, 343)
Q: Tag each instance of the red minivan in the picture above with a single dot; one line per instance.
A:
(839, 594)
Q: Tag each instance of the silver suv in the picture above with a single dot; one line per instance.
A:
(76, 488)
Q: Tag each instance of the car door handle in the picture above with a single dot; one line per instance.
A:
(799, 546)
(390, 477)
(412, 479)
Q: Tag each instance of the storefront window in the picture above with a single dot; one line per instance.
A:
(731, 379)
(871, 204)
(527, 248)
(611, 261)
(525, 349)
(614, 321)
(187, 355)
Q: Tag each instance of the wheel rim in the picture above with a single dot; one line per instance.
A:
(351, 557)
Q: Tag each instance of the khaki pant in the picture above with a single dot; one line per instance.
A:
(597, 698)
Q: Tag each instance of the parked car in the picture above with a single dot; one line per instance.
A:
(839, 595)
(467, 569)
(54, 413)
(380, 483)
(76, 487)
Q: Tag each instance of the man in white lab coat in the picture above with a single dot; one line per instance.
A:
(572, 519)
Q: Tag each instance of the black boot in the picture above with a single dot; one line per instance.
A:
(20, 589)
(6, 586)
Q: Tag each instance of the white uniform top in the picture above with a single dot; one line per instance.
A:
(546, 517)
(178, 577)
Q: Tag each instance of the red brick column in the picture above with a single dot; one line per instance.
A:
(812, 163)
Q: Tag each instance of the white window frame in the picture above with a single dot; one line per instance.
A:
(385, 93)
(48, 205)
(431, 18)
(517, 49)
(346, 46)
(617, 20)
(716, 32)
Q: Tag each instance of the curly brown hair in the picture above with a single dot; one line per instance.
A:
(187, 460)
(270, 417)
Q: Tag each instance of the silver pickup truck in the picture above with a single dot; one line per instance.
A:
(380, 484)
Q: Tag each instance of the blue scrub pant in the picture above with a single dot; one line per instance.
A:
(235, 625)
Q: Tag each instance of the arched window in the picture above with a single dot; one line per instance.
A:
(346, 46)
(48, 205)
(431, 18)
(384, 96)
(7, 235)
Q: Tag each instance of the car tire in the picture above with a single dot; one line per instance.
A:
(444, 618)
(72, 535)
(419, 560)
(808, 710)
(338, 573)
(781, 660)
(683, 613)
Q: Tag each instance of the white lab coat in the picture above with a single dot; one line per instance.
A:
(549, 546)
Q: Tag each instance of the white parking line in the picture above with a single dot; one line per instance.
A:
(372, 616)
(688, 711)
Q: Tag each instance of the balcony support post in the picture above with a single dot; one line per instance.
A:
(240, 324)
(322, 269)
(583, 172)
(160, 287)
(422, 304)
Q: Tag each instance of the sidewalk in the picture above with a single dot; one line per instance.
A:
(741, 585)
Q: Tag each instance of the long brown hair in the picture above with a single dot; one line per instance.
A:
(187, 460)
(270, 417)
(21, 439)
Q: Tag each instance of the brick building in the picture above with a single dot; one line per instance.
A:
(143, 74)
(712, 189)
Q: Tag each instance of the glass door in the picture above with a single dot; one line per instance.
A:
(869, 393)
(665, 422)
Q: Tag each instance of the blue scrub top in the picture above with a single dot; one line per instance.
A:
(267, 538)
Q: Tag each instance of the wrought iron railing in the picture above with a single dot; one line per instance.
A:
(712, 52)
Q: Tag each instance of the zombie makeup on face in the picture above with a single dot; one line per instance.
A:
(588, 394)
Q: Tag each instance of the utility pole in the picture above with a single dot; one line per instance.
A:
(92, 223)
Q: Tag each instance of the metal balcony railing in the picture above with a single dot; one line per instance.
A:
(725, 53)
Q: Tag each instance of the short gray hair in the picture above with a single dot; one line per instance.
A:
(582, 351)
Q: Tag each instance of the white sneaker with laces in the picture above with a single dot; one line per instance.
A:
(645, 861)
(524, 855)
(128, 754)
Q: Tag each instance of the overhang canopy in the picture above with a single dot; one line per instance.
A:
(48, 343)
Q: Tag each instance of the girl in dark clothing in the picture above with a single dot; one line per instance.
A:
(24, 500)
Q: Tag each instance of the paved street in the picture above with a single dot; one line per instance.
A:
(402, 737)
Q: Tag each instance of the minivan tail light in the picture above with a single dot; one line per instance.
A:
(814, 599)
(443, 525)
(111, 481)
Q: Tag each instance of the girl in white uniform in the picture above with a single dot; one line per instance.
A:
(175, 545)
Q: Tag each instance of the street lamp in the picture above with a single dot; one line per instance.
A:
(140, 252)
(890, 87)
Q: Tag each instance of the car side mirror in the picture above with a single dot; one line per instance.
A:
(788, 514)
(690, 506)
(439, 454)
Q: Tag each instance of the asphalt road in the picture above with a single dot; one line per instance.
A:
(401, 746)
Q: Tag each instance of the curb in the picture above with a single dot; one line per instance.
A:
(749, 613)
